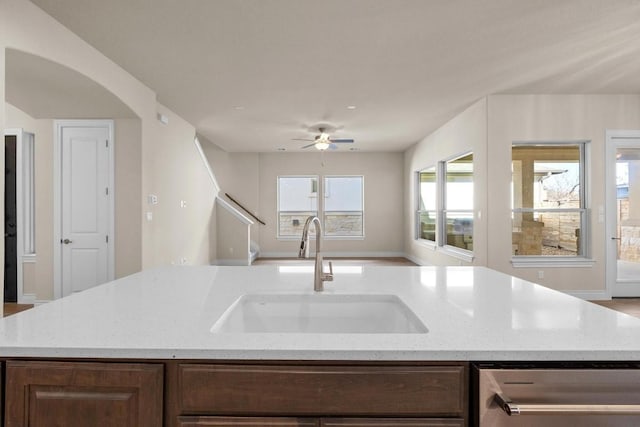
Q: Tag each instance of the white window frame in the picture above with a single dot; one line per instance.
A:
(320, 180)
(278, 212)
(418, 223)
(455, 251)
(583, 258)
(322, 210)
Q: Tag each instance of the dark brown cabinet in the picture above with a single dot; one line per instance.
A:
(41, 393)
(321, 395)
(320, 422)
(246, 422)
(71, 394)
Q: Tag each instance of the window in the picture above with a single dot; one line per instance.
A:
(341, 210)
(457, 213)
(427, 204)
(548, 203)
(343, 206)
(297, 200)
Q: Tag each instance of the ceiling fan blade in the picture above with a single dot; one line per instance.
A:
(302, 139)
(342, 140)
(307, 146)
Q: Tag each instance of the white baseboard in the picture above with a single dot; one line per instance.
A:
(416, 260)
(589, 295)
(231, 262)
(329, 254)
(27, 299)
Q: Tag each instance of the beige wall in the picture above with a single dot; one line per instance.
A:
(465, 133)
(167, 158)
(488, 128)
(180, 230)
(251, 178)
(39, 278)
(553, 118)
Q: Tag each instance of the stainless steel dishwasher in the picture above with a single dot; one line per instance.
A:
(562, 394)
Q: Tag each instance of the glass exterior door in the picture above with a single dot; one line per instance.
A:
(626, 236)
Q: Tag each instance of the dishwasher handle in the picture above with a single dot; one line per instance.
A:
(513, 408)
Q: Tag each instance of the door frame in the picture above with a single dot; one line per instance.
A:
(58, 126)
(612, 137)
(21, 257)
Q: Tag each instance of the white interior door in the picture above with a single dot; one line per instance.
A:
(623, 213)
(85, 208)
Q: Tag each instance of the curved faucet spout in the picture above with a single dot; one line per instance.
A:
(319, 275)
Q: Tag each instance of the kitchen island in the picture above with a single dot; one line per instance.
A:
(154, 332)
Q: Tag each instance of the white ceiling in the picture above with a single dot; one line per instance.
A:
(253, 74)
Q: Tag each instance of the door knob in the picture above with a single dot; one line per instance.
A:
(67, 241)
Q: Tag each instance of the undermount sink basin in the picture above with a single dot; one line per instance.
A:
(319, 313)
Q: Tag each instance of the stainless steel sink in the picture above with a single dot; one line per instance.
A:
(319, 313)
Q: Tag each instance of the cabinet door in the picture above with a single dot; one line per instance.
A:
(391, 422)
(42, 394)
(247, 422)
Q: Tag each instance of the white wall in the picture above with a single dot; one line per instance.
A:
(549, 118)
(251, 178)
(488, 128)
(39, 281)
(168, 163)
(465, 133)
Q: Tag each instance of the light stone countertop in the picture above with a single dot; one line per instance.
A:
(472, 313)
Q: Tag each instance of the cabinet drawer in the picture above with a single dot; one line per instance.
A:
(246, 422)
(321, 390)
(316, 422)
(391, 422)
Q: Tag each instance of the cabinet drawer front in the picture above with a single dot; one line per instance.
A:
(246, 422)
(321, 390)
(316, 422)
(391, 422)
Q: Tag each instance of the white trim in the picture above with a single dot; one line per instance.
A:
(549, 262)
(29, 259)
(456, 252)
(28, 299)
(612, 137)
(416, 260)
(58, 126)
(231, 262)
(196, 141)
(589, 295)
(232, 210)
(328, 254)
(25, 225)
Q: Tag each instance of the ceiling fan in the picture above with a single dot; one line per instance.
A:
(324, 141)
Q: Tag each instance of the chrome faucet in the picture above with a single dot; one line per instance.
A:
(319, 276)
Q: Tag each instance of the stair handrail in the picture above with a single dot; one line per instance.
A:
(245, 209)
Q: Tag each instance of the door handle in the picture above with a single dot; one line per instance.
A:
(66, 241)
(616, 238)
(513, 408)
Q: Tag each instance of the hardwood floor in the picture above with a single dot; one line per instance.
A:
(12, 308)
(389, 261)
(631, 306)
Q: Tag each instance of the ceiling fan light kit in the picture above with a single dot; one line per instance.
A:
(324, 141)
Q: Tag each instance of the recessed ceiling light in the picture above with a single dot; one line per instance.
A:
(238, 107)
(351, 107)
